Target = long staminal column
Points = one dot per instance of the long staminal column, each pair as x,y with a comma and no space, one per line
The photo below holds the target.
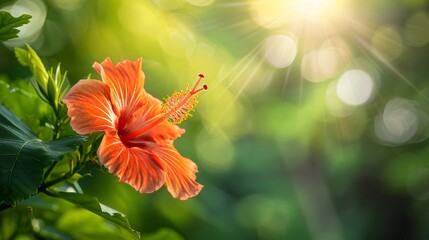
176,109
179,105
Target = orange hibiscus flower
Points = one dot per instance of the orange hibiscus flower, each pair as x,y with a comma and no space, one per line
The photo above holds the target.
138,129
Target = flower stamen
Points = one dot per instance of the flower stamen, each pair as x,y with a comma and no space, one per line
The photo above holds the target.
179,105
176,109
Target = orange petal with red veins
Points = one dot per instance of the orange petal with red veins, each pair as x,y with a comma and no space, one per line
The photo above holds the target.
164,131
126,81
180,173
133,165
89,107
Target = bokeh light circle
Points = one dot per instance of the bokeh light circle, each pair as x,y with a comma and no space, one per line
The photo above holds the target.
280,50
169,4
387,43
417,184
28,32
328,61
177,42
70,5
215,151
201,3
311,70
355,87
398,123
334,105
417,30
323,63
270,15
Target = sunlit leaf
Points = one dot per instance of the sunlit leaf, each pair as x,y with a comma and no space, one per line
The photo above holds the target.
55,218
8,25
28,57
24,157
79,223
92,204
20,91
164,233
32,113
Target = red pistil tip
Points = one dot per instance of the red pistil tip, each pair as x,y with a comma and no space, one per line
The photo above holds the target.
179,105
194,90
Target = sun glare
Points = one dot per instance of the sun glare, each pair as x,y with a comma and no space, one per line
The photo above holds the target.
323,42
280,50
279,13
315,9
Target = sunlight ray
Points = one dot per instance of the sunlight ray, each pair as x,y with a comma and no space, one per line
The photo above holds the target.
387,64
243,65
236,96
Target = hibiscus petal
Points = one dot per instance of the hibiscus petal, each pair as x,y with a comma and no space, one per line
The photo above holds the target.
181,172
133,165
138,125
164,131
126,81
89,107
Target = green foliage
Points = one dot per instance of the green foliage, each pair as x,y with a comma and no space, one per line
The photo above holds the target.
288,159
28,57
31,165
164,233
25,157
33,112
90,226
48,217
8,25
91,204
51,86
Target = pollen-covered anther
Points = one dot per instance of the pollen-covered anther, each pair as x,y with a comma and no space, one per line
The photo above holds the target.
179,105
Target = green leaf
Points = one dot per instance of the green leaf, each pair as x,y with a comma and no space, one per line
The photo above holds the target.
50,86
79,223
92,204
24,157
56,218
28,57
21,92
22,56
8,25
163,233
34,113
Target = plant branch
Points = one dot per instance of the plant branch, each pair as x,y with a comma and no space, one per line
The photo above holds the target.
60,179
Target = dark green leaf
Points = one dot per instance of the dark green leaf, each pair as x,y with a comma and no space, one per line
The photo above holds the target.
44,217
24,157
33,113
92,204
8,25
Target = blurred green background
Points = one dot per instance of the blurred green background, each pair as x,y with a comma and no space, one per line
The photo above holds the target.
315,124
